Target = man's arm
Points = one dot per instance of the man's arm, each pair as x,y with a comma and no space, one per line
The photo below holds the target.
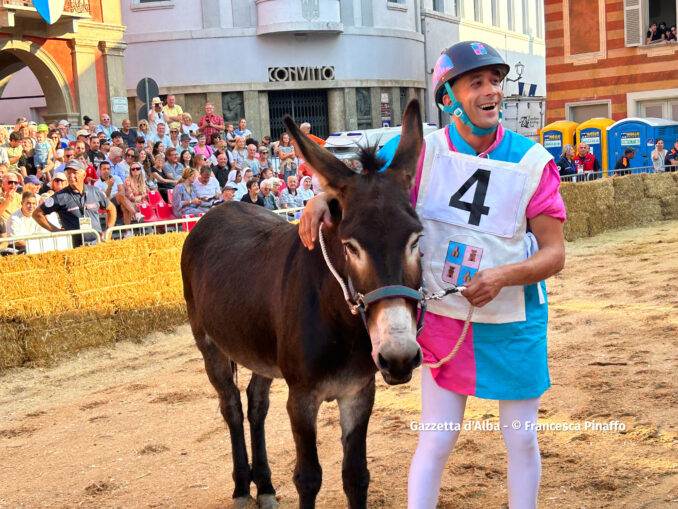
5,203
111,216
546,262
41,219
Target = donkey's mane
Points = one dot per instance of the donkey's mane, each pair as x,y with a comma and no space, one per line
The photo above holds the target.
370,161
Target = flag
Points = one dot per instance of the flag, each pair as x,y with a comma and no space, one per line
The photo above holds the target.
50,10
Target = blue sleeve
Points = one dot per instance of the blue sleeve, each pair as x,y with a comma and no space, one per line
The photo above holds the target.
388,151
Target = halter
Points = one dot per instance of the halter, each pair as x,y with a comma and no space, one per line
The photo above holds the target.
359,303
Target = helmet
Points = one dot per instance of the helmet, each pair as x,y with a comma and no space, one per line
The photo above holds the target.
42,128
462,58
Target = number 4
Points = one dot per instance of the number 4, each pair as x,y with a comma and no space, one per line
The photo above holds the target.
477,208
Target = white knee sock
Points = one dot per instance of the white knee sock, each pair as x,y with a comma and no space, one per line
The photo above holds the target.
524,462
438,405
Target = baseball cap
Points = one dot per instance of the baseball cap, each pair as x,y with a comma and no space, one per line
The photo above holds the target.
42,128
184,137
59,176
64,123
32,179
75,164
32,123
230,185
82,132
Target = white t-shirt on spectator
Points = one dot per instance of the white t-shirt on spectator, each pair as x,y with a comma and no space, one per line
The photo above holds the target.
209,190
102,186
18,224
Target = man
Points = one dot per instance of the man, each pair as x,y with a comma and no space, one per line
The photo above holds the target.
173,168
185,144
63,128
115,160
117,139
658,156
251,160
95,155
110,185
511,176
105,147
160,135
21,222
129,135
242,129
77,206
206,186
172,110
105,127
32,184
68,155
624,162
670,160
266,141
586,163
228,194
80,148
10,200
210,123
14,151
306,129
290,198
156,115
221,169
84,134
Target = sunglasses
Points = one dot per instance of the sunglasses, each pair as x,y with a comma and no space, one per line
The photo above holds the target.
135,168
129,155
13,182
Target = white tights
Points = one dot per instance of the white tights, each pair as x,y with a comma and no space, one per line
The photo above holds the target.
439,405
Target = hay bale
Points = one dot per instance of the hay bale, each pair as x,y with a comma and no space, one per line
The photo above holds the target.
602,220
630,188
661,185
669,205
576,226
638,213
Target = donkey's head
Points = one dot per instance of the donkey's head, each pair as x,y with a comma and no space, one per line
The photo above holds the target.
380,232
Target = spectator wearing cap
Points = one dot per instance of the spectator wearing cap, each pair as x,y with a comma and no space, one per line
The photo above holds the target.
21,221
172,109
106,126
42,150
228,193
210,123
207,186
160,135
156,114
84,134
174,140
185,144
671,159
129,135
94,154
624,162
10,199
77,206
57,183
32,184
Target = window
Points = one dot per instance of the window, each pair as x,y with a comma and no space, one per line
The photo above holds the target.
495,14
439,5
640,14
446,6
526,19
581,112
540,19
477,14
510,21
666,109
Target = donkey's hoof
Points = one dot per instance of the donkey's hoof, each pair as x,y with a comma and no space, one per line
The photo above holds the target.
267,501
241,502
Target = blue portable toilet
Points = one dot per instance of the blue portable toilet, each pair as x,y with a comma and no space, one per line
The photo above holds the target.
640,134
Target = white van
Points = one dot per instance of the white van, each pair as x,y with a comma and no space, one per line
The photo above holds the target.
345,145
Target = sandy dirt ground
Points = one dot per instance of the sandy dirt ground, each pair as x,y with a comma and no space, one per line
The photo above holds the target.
137,425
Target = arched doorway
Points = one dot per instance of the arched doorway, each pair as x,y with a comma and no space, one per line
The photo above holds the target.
16,54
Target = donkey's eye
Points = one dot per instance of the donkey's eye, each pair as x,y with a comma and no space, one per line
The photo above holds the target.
350,248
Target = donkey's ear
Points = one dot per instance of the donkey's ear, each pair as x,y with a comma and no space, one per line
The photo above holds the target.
404,164
332,172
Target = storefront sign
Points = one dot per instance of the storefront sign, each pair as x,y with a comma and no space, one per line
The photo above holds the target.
325,73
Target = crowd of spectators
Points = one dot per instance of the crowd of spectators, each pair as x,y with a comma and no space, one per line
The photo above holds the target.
47,167
659,33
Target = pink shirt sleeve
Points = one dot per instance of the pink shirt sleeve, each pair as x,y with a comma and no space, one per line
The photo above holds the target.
547,199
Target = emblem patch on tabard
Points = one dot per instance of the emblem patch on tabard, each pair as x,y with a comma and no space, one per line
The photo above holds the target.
461,263
478,48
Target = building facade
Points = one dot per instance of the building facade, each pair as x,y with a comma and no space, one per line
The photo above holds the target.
340,64
66,69
599,62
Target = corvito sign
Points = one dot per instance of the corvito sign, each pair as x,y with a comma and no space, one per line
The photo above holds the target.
325,73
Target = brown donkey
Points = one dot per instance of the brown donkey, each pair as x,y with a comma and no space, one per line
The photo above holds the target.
288,318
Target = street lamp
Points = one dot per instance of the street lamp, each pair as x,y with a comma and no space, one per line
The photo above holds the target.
520,68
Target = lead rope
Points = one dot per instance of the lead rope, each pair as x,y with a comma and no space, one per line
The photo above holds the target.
354,307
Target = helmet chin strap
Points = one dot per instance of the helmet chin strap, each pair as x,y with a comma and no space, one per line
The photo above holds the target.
457,110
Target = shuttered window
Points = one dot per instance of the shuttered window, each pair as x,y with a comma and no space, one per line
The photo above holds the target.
633,29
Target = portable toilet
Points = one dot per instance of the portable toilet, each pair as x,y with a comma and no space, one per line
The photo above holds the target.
594,133
640,134
557,134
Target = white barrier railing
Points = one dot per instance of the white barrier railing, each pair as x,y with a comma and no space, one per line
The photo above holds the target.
50,241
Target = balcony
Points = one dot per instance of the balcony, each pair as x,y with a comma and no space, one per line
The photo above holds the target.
305,16
13,11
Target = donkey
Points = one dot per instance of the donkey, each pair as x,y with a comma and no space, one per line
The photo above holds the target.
288,318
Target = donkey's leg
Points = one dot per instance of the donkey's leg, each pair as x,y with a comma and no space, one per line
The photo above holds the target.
257,408
354,412
302,408
220,374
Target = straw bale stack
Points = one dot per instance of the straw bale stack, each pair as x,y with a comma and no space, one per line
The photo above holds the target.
629,188
661,185
576,226
61,302
669,206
